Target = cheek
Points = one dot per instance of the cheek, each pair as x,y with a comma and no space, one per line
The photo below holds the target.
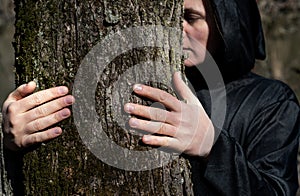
200,36
197,40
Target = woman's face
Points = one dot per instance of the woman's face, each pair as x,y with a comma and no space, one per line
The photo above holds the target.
195,32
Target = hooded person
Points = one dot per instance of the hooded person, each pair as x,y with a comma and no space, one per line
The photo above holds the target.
235,38
256,151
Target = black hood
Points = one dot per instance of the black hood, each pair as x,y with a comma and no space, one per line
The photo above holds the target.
241,32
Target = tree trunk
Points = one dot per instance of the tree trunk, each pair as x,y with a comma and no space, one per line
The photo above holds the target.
5,185
52,40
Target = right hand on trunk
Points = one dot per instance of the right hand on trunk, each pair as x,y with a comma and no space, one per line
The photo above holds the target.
27,116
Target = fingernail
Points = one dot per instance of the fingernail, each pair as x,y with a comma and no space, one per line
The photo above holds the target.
63,90
65,113
137,87
133,122
69,100
24,86
129,107
57,131
31,82
146,138
27,84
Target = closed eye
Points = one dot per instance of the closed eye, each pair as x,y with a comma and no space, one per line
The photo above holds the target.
191,16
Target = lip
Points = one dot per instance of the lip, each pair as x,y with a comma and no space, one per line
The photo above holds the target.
188,49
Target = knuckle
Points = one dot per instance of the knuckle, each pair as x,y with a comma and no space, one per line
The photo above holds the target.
37,98
159,115
163,129
37,138
139,110
47,136
40,111
11,108
62,102
37,125
162,97
14,134
58,116
156,116
13,121
32,140
165,142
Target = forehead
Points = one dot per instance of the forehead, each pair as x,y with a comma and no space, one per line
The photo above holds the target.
194,4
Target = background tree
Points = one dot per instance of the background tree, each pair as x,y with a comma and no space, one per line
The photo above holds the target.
281,22
6,50
52,38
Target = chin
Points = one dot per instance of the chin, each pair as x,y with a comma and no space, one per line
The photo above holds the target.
192,62
188,63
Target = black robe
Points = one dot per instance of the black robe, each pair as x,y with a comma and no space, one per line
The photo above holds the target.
256,152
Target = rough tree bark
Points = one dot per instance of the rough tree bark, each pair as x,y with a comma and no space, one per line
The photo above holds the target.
5,185
52,38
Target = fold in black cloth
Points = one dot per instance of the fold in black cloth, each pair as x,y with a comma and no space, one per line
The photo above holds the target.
256,152
242,35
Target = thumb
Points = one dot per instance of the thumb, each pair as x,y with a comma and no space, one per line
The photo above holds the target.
22,91
183,90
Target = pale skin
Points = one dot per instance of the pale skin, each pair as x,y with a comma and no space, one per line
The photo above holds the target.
27,116
184,127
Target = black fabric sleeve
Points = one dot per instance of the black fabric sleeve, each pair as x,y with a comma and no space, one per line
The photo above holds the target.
266,164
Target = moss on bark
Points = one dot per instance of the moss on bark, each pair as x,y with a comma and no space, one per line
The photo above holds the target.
52,38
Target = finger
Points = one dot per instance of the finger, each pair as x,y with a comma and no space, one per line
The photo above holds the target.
183,90
22,91
49,108
149,112
153,127
43,123
41,136
158,95
162,141
41,97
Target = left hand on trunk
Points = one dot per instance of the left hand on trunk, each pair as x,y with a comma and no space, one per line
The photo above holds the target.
183,127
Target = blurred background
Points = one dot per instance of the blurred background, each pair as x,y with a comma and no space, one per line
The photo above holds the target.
281,20
6,49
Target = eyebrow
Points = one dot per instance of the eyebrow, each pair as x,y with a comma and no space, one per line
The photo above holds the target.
192,10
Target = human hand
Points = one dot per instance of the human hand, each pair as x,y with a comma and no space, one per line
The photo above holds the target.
27,116
184,127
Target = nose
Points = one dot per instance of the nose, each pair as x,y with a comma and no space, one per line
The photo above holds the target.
184,24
